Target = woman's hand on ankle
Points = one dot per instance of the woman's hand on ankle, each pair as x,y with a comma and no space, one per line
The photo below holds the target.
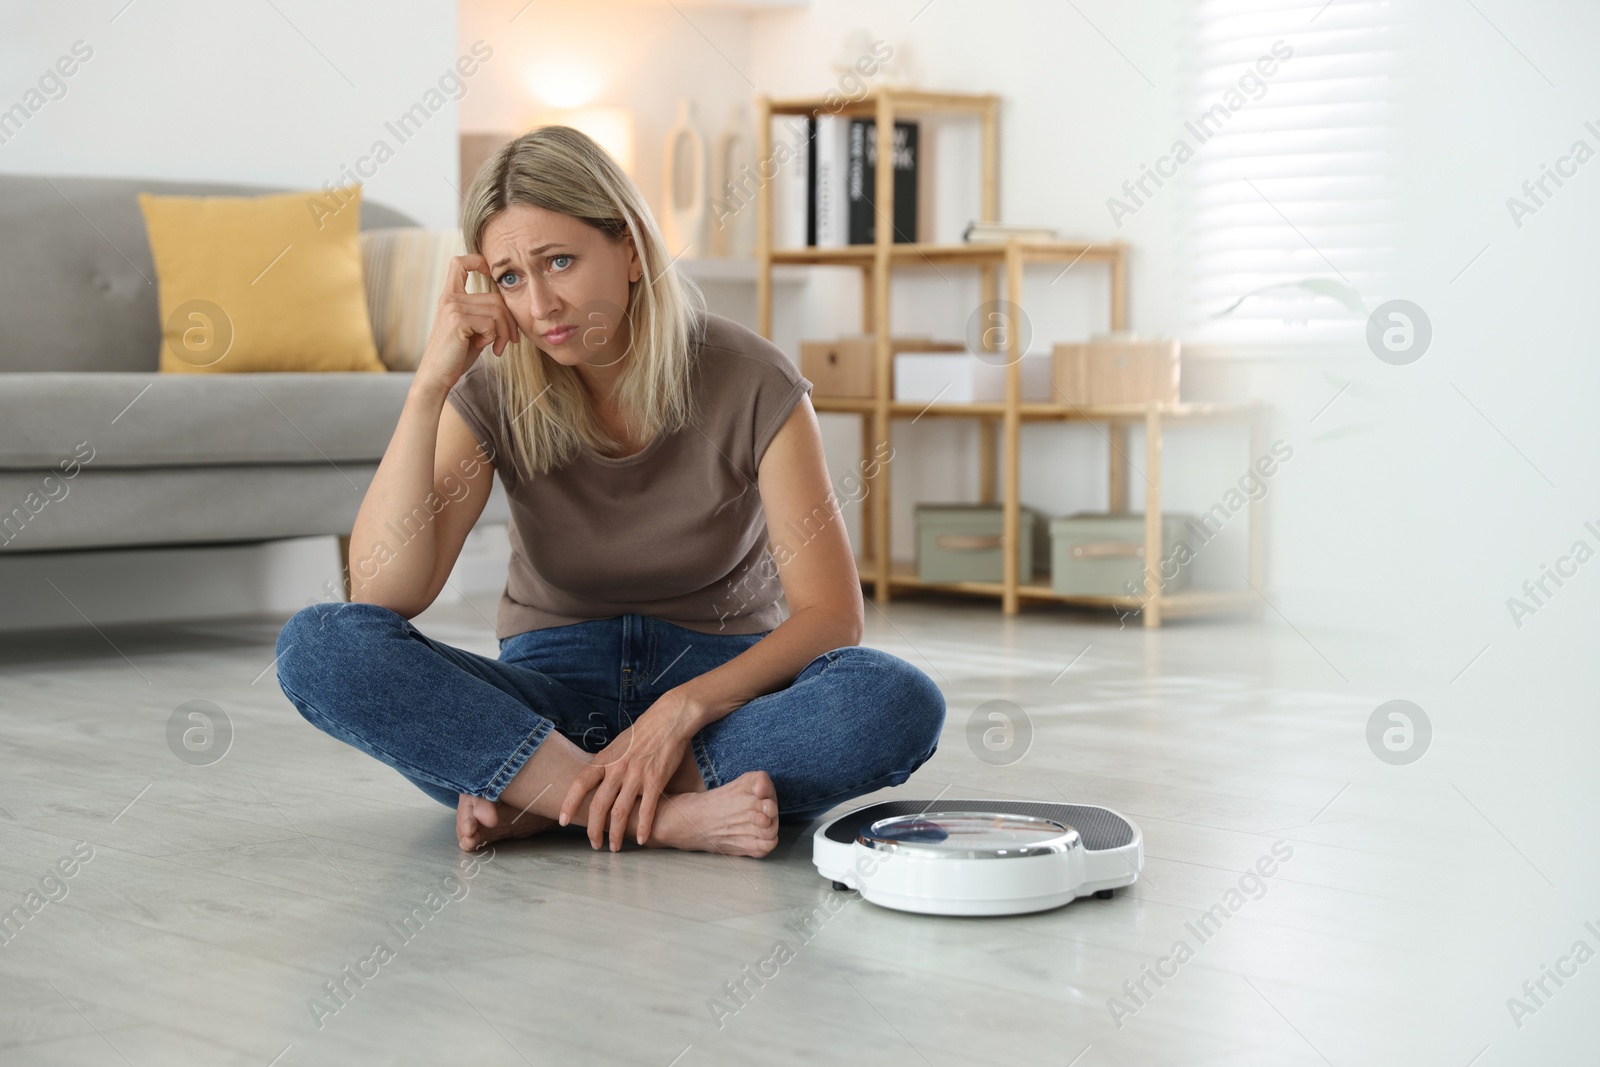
636,765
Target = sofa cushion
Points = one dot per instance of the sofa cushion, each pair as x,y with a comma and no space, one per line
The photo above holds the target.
186,506
404,270
260,283
77,282
187,420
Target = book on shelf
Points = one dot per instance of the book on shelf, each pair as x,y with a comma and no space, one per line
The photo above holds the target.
791,185
838,158
1000,232
827,221
863,184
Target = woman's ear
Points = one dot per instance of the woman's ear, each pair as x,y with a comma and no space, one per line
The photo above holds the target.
635,267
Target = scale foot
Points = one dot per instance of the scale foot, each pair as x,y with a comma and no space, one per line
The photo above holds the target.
1102,894
841,887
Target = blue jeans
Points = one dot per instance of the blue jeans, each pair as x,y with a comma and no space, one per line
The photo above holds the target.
855,720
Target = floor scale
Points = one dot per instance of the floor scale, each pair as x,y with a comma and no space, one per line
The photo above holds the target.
977,857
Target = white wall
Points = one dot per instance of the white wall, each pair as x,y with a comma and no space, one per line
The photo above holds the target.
287,93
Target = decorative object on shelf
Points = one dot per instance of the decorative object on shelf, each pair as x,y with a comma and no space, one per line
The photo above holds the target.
1000,232
683,215
1095,553
860,52
844,367
1117,368
733,232
962,542
965,377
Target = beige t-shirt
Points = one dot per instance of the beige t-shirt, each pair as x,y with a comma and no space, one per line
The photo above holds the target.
675,531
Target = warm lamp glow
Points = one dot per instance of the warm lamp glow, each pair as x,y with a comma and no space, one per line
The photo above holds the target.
563,82
611,127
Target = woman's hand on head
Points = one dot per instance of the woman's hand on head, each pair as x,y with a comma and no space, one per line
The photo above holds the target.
637,765
464,324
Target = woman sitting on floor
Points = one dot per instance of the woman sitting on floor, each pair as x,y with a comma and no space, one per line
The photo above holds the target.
648,682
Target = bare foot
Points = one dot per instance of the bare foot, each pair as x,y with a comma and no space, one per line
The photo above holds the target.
737,819
480,821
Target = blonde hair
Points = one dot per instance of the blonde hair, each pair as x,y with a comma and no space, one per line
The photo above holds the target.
543,403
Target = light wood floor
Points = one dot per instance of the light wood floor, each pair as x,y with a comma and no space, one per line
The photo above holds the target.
220,898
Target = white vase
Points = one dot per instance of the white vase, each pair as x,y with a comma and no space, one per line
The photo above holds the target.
733,177
683,213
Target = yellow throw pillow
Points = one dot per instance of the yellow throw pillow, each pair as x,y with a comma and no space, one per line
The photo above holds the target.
268,283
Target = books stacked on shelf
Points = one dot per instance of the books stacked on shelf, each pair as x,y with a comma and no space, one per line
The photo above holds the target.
1000,232
839,161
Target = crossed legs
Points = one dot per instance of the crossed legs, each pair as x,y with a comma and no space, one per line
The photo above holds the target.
494,739
740,818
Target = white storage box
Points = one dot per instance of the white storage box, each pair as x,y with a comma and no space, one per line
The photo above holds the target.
965,377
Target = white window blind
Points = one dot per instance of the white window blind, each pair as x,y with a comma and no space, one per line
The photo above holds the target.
1290,213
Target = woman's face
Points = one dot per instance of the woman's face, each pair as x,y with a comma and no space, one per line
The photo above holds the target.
565,283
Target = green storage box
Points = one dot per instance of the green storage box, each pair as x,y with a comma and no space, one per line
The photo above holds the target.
961,543
1099,553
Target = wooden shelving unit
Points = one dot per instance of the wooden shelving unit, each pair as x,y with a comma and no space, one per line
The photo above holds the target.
877,260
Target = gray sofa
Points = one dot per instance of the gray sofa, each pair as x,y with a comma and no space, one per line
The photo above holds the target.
98,449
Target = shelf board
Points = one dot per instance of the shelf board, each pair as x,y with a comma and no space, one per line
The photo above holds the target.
905,101
1185,411
975,252
903,575
715,269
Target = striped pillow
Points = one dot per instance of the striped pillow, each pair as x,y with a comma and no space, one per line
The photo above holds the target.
404,272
